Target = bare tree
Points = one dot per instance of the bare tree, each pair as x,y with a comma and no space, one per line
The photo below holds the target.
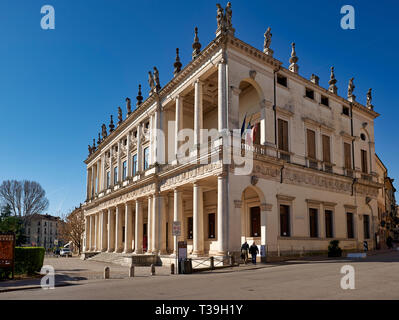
24,197
73,228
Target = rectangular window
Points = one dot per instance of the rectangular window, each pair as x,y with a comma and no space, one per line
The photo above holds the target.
349,225
283,135
211,226
329,223
366,226
146,158
190,227
313,223
324,101
255,222
282,80
326,149
345,110
364,161
123,234
108,178
309,93
134,164
284,221
124,172
311,141
347,155
116,175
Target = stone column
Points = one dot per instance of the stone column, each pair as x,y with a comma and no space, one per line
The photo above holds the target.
155,224
222,96
170,218
88,188
120,170
85,236
198,115
92,232
98,186
138,242
111,231
111,167
263,133
103,174
93,181
151,151
128,228
222,213
139,153
178,121
149,225
129,172
198,220
96,232
233,112
161,217
103,231
87,233
118,229
178,214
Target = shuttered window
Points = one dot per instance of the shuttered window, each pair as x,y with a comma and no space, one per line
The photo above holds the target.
364,161
313,223
326,149
349,225
311,140
329,223
255,222
283,135
284,221
347,156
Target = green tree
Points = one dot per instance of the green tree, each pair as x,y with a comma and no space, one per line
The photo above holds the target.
9,223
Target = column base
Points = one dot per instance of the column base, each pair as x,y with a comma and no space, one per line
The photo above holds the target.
111,250
138,252
118,251
127,251
197,253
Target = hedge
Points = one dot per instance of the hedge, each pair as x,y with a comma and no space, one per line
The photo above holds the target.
28,260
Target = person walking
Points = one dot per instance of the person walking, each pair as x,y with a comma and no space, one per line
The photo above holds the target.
253,250
244,252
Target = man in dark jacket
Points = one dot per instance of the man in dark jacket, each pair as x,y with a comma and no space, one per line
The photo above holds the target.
253,250
244,252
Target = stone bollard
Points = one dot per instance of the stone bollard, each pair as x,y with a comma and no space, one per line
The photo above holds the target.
131,272
152,270
172,268
106,273
212,263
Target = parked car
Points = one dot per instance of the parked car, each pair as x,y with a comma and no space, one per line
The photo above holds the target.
65,252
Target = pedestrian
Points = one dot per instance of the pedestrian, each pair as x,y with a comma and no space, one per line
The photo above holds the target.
365,246
244,252
253,250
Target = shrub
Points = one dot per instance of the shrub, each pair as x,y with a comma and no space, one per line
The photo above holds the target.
333,249
28,260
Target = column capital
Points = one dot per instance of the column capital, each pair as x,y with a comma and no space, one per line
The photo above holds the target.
198,81
235,90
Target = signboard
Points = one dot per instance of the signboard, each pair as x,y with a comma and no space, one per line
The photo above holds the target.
176,231
182,250
7,251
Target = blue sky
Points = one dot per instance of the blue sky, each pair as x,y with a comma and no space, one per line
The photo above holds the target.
58,86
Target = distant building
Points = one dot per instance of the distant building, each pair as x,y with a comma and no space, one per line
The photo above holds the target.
43,231
387,207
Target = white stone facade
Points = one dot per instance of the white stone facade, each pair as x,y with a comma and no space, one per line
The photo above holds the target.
229,80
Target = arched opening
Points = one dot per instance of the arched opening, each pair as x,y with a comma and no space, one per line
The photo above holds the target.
251,224
249,112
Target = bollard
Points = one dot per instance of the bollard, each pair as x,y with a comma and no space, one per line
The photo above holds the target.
106,273
131,272
152,270
212,263
172,268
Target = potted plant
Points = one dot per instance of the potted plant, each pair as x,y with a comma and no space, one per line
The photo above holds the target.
333,249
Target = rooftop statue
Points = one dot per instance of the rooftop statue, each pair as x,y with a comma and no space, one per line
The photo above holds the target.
151,81
369,98
104,131
351,87
268,39
120,117
229,14
156,79
220,16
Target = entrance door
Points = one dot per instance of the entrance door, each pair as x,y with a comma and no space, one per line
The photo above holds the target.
255,221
